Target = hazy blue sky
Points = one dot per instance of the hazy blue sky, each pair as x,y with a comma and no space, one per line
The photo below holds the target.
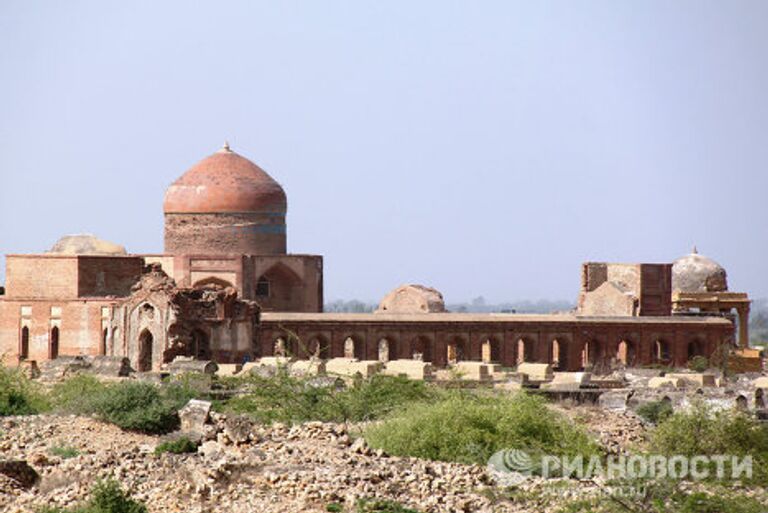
483,148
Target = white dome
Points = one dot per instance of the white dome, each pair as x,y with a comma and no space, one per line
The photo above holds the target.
86,244
412,299
697,273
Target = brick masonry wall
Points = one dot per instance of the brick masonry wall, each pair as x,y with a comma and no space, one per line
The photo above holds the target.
38,276
108,276
246,233
79,323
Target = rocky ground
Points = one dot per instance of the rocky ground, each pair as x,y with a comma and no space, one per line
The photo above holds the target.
244,468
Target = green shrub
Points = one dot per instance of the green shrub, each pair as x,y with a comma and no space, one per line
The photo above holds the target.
191,385
705,431
136,406
469,429
76,395
381,506
673,501
655,411
64,452
702,430
179,446
698,364
19,395
106,497
285,398
705,503
377,396
131,405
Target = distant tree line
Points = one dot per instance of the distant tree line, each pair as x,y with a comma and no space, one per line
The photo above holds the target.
758,322
477,305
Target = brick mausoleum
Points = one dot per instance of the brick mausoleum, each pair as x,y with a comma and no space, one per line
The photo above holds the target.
226,289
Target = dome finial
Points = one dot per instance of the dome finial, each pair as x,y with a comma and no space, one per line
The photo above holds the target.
695,250
225,148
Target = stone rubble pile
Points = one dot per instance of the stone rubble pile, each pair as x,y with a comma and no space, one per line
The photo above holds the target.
239,467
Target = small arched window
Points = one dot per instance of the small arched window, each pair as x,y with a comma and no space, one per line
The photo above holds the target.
24,349
53,350
262,287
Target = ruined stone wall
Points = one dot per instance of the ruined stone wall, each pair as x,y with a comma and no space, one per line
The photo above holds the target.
608,300
225,233
626,274
80,327
296,282
41,276
597,344
107,276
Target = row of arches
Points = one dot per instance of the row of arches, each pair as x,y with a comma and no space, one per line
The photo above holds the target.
198,346
559,351
53,343
275,283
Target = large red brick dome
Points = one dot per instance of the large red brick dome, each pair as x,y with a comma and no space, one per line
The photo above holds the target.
225,182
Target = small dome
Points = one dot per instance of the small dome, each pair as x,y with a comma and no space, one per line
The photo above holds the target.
225,182
697,273
412,299
86,244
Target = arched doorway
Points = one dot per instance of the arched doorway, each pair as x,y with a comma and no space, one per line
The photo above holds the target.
145,351
212,282
384,350
626,353
759,399
318,347
421,349
524,351
201,345
349,347
592,355
486,351
103,343
456,350
742,403
661,352
24,343
53,347
695,349
116,347
558,355
279,348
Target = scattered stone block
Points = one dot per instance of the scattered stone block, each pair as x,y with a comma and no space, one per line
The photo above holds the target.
110,366
29,368
63,366
694,379
473,371
536,371
20,471
229,369
184,364
616,400
412,369
275,361
237,428
311,367
665,382
194,415
352,366
568,380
